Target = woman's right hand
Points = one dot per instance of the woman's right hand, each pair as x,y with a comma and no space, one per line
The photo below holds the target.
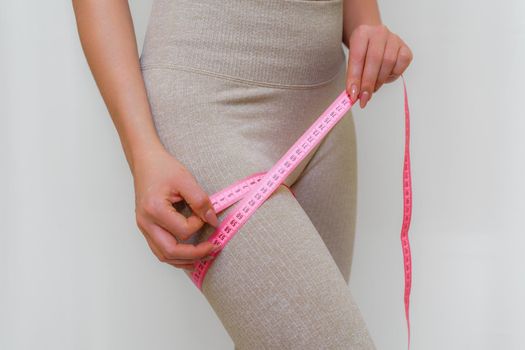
161,180
109,43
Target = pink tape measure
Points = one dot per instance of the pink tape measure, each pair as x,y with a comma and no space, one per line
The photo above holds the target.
253,190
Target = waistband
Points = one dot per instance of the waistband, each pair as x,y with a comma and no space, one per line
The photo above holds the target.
295,43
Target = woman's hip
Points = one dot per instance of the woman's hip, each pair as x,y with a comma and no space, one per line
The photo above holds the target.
280,43
204,120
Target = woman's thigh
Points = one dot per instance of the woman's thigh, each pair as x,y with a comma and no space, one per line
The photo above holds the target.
327,191
275,284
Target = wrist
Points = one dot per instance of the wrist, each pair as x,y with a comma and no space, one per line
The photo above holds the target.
139,150
359,12
347,33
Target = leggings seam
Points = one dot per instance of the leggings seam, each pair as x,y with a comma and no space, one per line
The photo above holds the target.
241,80
289,188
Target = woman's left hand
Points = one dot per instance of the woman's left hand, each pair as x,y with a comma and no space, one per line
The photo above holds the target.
376,56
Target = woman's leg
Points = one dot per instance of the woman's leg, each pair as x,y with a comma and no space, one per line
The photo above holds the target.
327,191
275,284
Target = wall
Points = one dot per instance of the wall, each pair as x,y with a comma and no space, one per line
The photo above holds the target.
76,273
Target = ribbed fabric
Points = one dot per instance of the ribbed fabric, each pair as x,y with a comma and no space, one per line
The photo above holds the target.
232,85
269,41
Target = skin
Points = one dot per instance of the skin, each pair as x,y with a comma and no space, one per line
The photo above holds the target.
376,55
107,36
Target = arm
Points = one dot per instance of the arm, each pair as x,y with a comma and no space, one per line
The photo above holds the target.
357,12
108,39
376,55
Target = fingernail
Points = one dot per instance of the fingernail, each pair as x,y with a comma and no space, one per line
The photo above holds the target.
353,93
216,248
365,95
211,218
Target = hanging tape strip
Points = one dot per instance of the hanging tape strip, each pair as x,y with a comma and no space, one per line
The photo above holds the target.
253,190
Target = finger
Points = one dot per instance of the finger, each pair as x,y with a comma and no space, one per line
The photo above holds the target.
156,251
189,271
198,200
171,249
391,78
374,57
404,57
357,50
162,212
389,60
188,267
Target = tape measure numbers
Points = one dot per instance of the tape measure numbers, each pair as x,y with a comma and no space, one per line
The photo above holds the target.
252,191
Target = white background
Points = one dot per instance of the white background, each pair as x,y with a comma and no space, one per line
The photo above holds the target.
76,273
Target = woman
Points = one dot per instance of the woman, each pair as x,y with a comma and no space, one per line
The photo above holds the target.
221,90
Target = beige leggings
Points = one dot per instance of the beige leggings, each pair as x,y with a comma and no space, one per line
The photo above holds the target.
282,281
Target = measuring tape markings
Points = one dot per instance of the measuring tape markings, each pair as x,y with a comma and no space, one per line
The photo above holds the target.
270,181
251,191
407,212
